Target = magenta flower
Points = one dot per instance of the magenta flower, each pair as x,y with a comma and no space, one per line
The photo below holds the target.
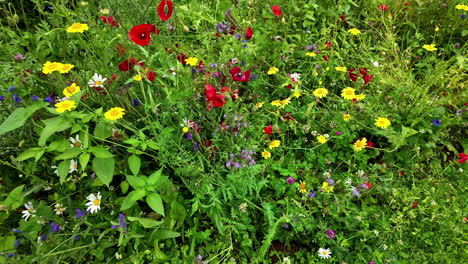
330,233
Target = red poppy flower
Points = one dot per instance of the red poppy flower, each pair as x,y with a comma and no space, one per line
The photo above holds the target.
367,78
463,158
363,71
150,75
213,98
370,144
248,33
329,44
352,76
383,7
369,185
325,58
276,10
141,34
182,57
127,64
161,9
110,20
268,130
238,76
415,204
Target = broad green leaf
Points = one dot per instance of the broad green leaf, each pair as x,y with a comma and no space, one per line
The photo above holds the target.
164,234
53,125
104,169
134,163
131,198
30,153
7,244
63,169
84,159
135,181
69,154
155,178
14,198
101,152
145,222
155,202
103,130
19,116
153,145
408,131
178,211
59,145
124,187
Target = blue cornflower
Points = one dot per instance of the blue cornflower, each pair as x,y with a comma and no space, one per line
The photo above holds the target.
436,122
12,87
2,97
17,98
54,227
312,194
136,102
35,98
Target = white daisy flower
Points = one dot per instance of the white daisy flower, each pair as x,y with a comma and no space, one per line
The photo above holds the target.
94,203
73,166
75,142
97,81
59,209
324,253
295,76
376,64
29,211
56,169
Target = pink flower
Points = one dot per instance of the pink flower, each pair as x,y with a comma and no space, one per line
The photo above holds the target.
238,76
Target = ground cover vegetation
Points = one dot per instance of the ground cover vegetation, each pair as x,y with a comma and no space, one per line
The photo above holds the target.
244,131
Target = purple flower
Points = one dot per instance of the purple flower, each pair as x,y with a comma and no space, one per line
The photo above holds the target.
10,254
136,102
216,74
238,36
457,46
2,97
79,213
188,136
312,194
338,133
330,233
195,146
35,98
463,16
17,242
436,122
114,226
330,181
290,180
43,237
12,87
54,227
49,99
122,222
253,77
17,98
76,237
19,57
355,192
371,262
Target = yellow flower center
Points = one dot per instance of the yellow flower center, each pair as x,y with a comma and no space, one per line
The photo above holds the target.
324,253
77,144
98,83
114,112
76,26
96,202
359,144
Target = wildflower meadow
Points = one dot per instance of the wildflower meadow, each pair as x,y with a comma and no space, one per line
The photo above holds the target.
233,131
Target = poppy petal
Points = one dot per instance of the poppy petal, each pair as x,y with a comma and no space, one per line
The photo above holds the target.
276,10
165,16
248,33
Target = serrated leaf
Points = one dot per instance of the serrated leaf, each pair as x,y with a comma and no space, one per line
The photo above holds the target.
131,198
104,169
134,163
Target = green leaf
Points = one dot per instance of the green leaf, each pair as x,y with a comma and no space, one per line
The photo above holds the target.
153,145
134,163
63,169
164,234
69,154
84,159
145,222
178,211
19,116
124,187
407,131
59,145
30,153
14,198
53,125
101,152
155,202
135,181
103,130
131,198
155,178
104,169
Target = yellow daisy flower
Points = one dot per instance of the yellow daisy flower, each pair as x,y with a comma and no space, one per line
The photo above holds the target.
359,96
276,103
77,28
302,186
321,139
297,94
320,92
66,68
266,154
360,144
285,102
430,47
342,69
66,105
137,78
272,70
50,67
347,117
274,144
311,54
348,93
354,31
192,61
327,188
259,104
71,90
382,122
114,113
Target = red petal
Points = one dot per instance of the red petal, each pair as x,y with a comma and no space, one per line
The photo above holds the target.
210,91
182,57
141,34
161,7
268,130
276,10
218,100
363,71
248,33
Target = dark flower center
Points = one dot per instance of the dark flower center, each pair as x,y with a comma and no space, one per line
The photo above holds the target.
143,36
